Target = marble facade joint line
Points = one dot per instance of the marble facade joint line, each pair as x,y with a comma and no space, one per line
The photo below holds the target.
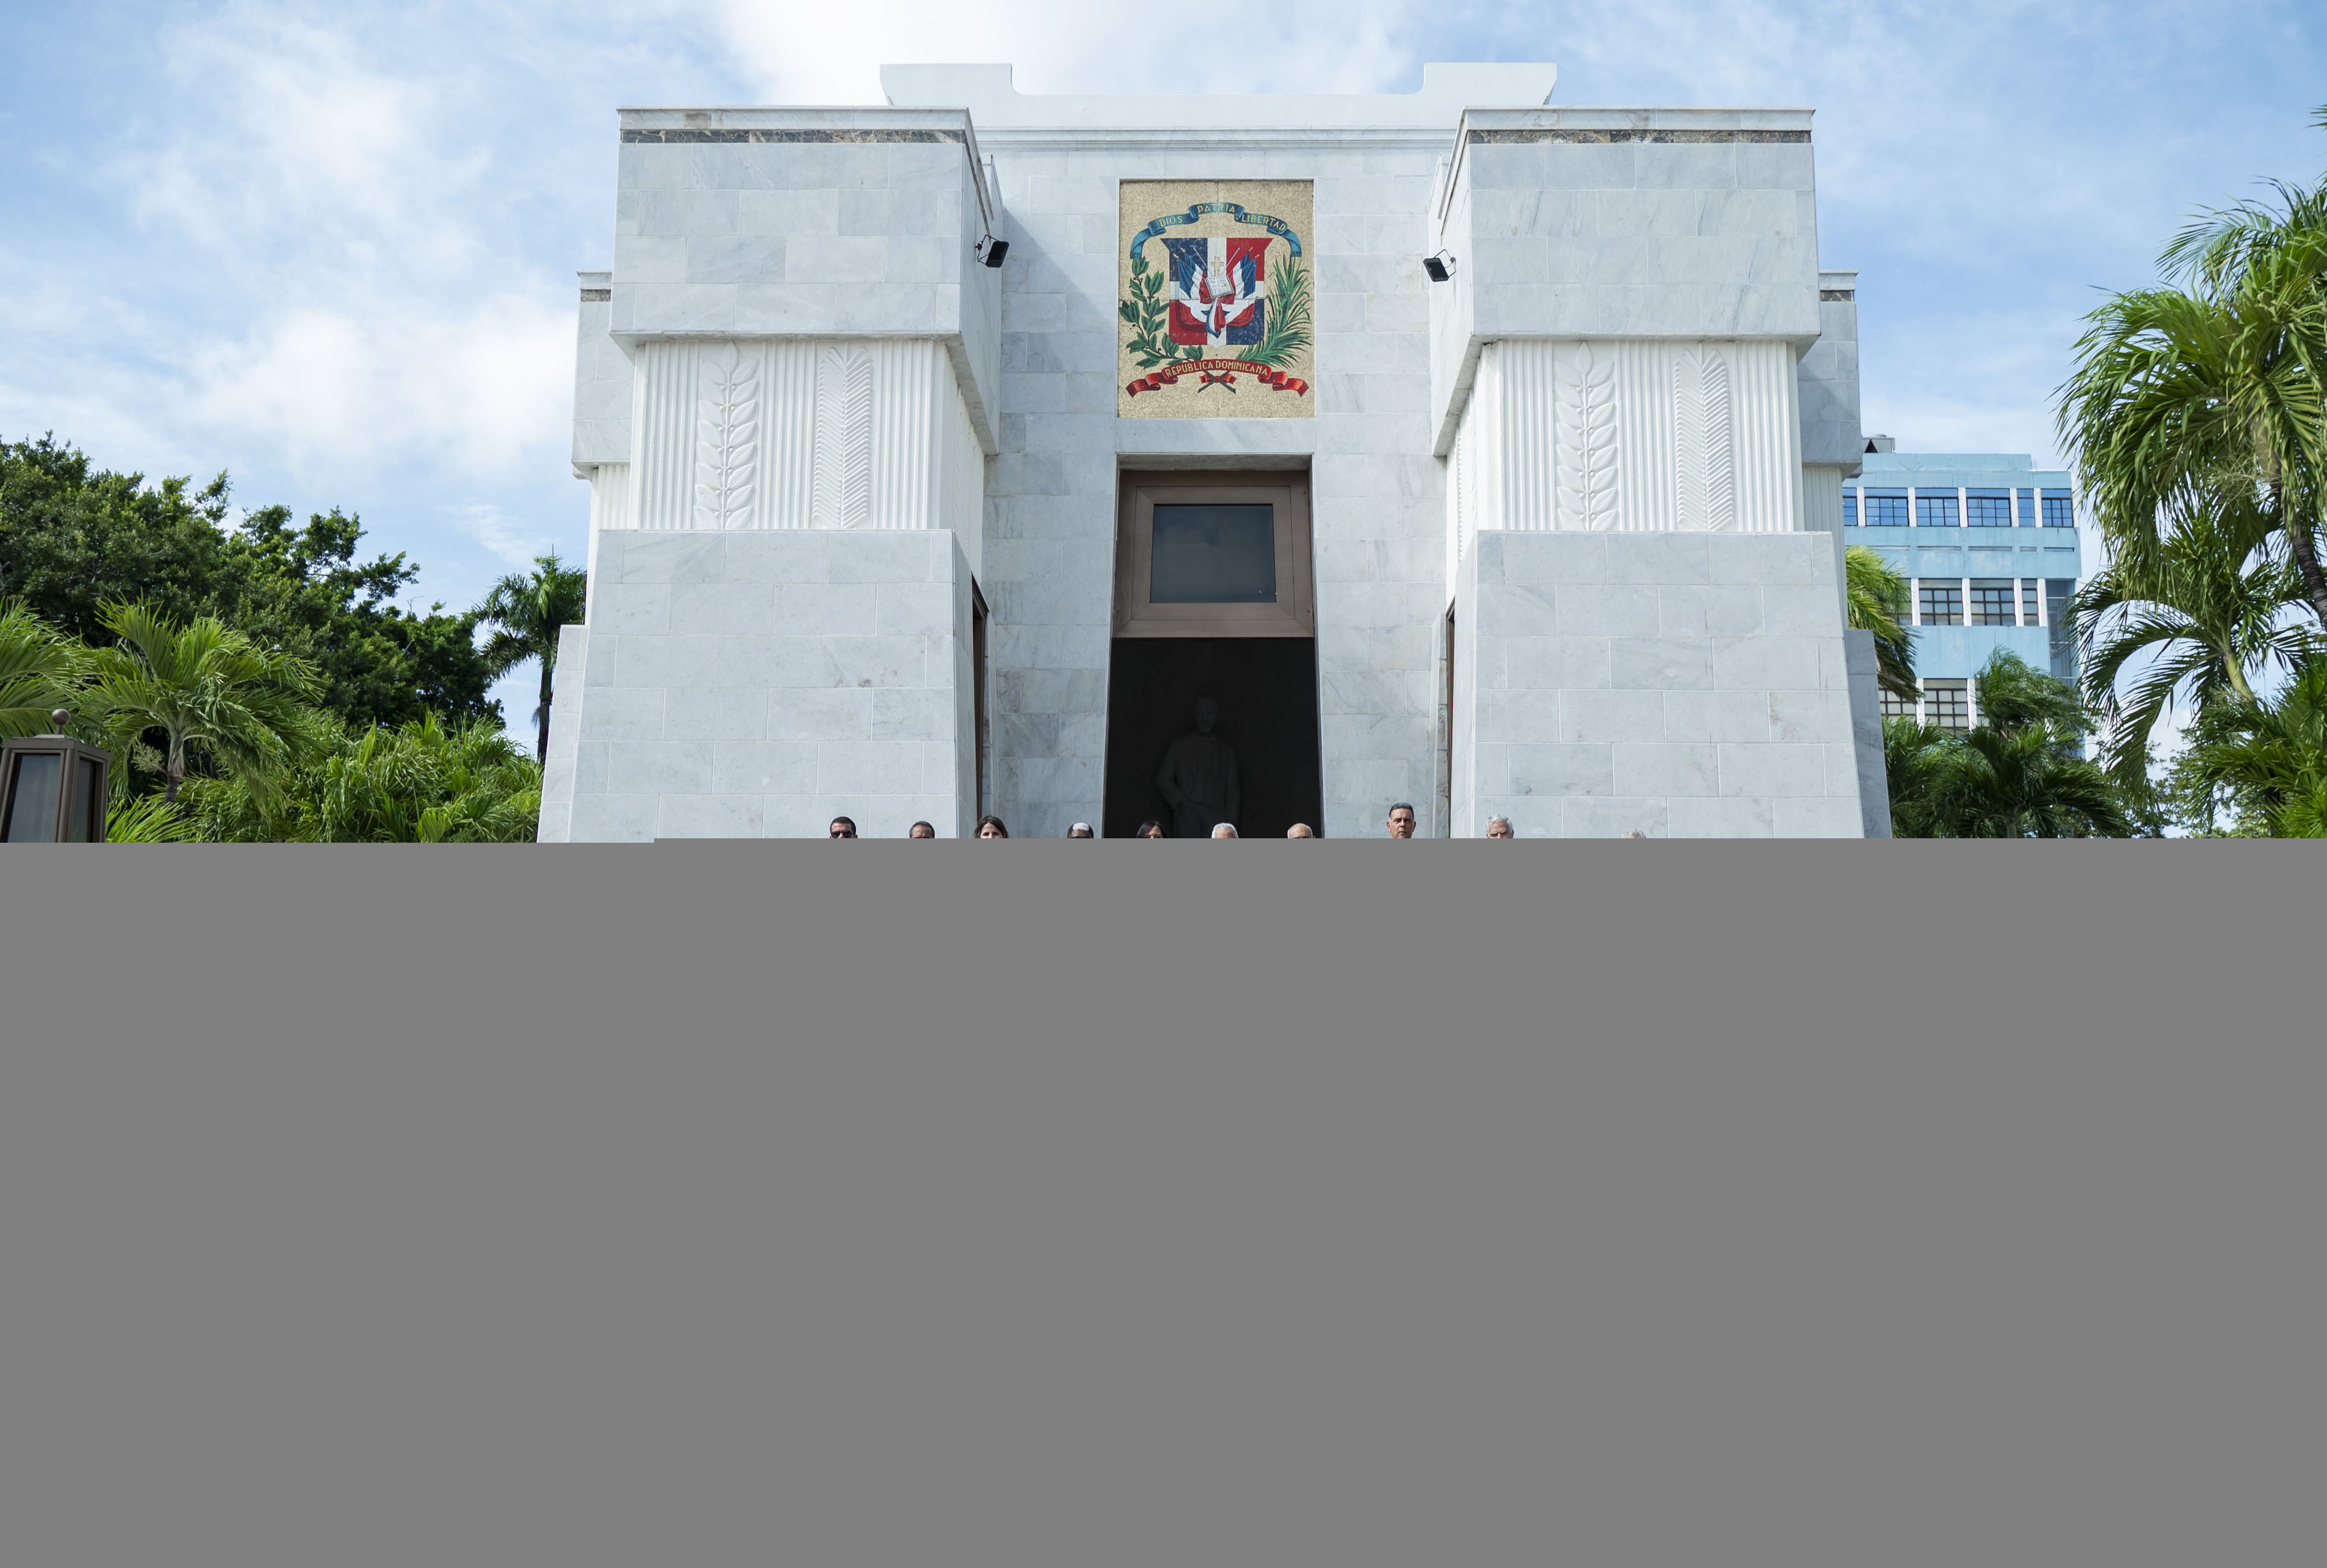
768,136
1563,134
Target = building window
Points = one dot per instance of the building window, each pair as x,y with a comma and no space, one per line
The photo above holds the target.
2057,590
1850,508
1987,508
1886,509
2059,513
2032,600
1946,704
1895,706
2024,509
1942,603
1993,601
1935,511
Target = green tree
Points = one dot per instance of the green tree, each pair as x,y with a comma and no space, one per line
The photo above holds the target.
74,538
423,782
2020,774
302,590
38,672
206,693
1877,597
2216,385
2198,612
2267,757
527,612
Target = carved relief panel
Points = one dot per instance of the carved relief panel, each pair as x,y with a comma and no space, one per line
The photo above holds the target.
1629,435
801,433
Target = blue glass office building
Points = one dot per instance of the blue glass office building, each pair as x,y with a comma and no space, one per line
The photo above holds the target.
1988,543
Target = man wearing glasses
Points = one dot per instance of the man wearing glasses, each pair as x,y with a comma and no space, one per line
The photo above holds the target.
842,827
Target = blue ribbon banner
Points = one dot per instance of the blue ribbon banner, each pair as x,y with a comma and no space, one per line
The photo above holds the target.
1277,226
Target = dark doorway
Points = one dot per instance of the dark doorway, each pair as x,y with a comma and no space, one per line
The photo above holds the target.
1267,688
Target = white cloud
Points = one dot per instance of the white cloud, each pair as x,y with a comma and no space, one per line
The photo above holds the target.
832,53
507,540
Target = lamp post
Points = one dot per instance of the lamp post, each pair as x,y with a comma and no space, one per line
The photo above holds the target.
52,788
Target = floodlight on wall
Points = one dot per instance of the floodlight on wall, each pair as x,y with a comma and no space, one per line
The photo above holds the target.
52,788
1440,266
991,250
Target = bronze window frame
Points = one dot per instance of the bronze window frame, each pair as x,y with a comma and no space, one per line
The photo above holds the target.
1295,613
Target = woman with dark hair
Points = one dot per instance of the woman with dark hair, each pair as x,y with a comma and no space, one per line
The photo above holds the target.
1151,828
991,827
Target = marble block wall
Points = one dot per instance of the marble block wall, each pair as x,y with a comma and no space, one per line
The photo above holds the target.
1684,686
748,685
1376,491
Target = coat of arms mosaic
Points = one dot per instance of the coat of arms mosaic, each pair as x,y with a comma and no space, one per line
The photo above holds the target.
1213,292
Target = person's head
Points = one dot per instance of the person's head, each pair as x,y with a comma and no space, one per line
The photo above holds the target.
991,827
1401,820
1300,830
1208,713
1636,833
1224,830
1151,828
1499,827
1082,830
842,827
920,830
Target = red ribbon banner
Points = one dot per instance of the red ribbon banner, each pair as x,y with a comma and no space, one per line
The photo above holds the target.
1219,372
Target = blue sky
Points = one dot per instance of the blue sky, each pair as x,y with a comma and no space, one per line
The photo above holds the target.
330,248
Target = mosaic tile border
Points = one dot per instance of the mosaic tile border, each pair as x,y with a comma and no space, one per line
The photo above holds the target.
591,296
1838,296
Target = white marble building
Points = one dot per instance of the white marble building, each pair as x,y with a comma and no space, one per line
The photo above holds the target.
879,529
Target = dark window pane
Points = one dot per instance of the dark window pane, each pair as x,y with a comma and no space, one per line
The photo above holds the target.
1942,603
2023,507
1945,705
1886,509
1895,706
1936,511
2057,590
88,810
1989,509
32,810
1850,508
2059,513
1214,555
1992,602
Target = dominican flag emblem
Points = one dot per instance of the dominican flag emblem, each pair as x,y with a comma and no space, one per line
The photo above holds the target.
1216,292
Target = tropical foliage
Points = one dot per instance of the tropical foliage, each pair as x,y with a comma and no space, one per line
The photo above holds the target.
74,538
420,783
527,612
38,670
1286,334
2266,761
201,691
1876,591
2213,387
2192,617
2021,773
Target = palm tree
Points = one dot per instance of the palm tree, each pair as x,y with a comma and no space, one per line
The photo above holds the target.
211,692
2216,385
529,610
2205,603
1876,591
2020,774
38,669
2269,757
423,783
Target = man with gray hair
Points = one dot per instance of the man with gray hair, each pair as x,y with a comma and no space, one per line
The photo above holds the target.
1224,830
1499,827
1082,830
